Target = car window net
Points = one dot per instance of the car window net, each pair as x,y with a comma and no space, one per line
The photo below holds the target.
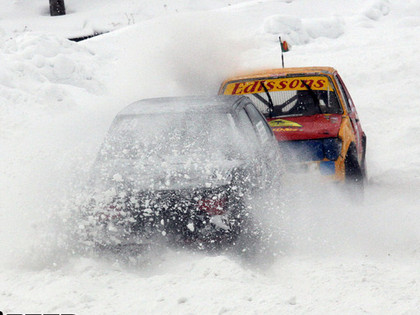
289,96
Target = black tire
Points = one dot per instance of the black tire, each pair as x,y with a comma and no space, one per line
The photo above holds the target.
364,168
354,175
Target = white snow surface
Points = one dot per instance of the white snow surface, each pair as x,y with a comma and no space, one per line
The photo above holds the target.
57,99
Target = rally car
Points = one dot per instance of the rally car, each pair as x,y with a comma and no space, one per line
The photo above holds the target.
182,170
313,118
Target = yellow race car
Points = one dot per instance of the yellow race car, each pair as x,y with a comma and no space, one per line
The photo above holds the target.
312,116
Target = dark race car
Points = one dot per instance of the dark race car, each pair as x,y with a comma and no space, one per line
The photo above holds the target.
182,170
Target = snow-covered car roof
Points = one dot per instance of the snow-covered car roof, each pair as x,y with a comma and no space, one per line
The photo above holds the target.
180,104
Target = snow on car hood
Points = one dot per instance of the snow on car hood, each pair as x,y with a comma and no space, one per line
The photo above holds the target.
306,127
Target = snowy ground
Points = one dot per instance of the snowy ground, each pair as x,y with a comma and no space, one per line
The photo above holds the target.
57,99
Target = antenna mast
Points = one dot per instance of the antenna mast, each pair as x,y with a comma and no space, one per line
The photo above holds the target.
284,48
282,56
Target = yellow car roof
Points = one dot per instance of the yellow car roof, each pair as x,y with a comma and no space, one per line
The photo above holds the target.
281,72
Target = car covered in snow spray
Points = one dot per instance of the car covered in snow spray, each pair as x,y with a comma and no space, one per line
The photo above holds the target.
181,170
313,118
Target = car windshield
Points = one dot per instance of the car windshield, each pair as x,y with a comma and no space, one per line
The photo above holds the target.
295,96
152,138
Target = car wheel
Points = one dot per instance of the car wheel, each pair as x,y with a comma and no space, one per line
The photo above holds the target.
364,169
354,175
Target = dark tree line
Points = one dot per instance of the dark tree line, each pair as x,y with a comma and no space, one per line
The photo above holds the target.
57,7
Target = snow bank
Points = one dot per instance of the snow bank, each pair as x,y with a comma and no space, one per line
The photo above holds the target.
300,31
46,87
46,65
87,17
377,9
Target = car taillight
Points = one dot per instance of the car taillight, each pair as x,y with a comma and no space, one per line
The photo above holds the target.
313,149
110,212
212,206
332,148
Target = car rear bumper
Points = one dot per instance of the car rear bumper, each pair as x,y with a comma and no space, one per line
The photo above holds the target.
328,170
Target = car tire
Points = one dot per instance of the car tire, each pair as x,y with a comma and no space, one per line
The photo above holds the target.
354,175
364,168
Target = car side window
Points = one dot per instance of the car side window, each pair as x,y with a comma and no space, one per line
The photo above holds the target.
261,126
246,125
347,93
343,93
